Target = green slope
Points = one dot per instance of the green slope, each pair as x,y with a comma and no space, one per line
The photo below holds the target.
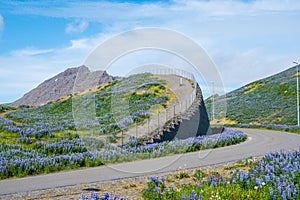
137,94
271,100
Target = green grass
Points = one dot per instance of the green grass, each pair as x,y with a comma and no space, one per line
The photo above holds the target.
290,129
5,108
271,100
206,190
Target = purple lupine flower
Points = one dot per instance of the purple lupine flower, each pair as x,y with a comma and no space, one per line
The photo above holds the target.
182,197
271,192
155,189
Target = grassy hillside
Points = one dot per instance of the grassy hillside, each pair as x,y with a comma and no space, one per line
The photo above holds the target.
5,108
271,100
143,92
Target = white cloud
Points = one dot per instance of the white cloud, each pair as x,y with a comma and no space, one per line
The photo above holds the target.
227,8
242,67
78,26
102,10
24,69
277,5
80,44
105,10
30,51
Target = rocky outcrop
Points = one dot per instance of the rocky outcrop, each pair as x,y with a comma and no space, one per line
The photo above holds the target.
71,81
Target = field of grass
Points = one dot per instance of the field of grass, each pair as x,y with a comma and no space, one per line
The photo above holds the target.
266,102
276,127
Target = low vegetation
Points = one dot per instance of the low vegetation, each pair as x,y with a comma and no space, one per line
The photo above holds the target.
71,153
5,108
269,102
275,176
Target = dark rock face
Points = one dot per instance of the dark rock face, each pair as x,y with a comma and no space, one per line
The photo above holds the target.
71,81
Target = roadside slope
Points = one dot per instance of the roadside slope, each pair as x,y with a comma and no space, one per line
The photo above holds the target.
271,100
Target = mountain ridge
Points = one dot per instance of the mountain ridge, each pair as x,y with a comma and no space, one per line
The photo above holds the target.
72,80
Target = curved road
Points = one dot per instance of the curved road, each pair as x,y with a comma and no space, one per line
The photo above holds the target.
258,143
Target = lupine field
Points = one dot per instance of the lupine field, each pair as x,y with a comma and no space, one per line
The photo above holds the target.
17,160
275,176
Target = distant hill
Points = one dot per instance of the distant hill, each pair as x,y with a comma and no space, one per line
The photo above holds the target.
271,100
62,85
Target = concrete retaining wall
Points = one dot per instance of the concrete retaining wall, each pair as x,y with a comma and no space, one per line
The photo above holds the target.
194,122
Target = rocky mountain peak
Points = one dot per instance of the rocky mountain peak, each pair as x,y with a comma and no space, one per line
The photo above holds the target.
70,81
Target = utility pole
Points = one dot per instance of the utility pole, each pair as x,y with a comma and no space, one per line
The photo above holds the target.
298,116
213,100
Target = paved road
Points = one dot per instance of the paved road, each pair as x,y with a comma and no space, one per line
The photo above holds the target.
259,142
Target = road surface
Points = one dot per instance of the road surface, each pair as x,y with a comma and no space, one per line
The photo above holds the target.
258,143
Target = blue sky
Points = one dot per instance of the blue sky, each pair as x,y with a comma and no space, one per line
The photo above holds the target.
247,40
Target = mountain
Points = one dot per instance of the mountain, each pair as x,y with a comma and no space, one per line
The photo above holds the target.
271,100
68,82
